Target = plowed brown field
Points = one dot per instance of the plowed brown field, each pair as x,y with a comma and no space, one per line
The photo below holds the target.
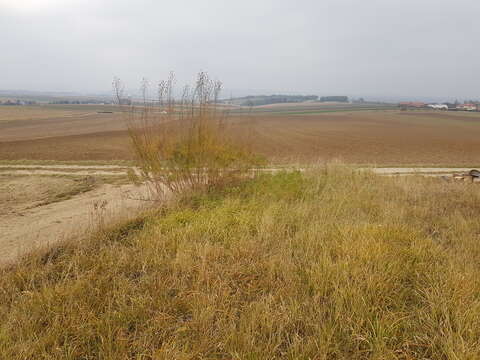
362,137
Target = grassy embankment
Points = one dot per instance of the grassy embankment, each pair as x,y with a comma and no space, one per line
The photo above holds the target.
327,265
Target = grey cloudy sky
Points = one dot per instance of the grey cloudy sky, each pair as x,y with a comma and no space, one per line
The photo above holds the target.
355,47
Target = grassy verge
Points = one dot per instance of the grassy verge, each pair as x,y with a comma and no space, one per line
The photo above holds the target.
329,265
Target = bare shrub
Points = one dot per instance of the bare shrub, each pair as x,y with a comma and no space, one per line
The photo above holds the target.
118,89
185,144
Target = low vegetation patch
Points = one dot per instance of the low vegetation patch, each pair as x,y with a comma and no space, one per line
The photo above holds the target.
328,265
184,145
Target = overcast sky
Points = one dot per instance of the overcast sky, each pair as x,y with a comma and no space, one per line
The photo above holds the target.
406,48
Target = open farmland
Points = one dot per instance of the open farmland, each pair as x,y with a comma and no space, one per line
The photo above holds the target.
33,122
310,108
383,137
371,137
335,262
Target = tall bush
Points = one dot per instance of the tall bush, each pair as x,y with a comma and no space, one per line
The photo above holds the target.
183,143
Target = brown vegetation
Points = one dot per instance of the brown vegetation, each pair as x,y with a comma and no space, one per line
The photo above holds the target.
330,265
185,145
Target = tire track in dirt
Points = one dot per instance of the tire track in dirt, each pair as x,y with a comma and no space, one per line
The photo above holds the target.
69,219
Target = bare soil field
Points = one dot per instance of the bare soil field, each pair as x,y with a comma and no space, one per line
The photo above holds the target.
110,145
34,112
371,137
383,137
17,123
316,105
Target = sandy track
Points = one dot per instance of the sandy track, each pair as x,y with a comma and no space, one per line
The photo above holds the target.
115,170
418,171
49,224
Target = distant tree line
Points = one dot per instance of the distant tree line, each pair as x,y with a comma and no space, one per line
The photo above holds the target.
275,99
334,99
79,102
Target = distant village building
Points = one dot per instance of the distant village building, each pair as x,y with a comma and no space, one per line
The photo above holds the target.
16,102
447,106
467,107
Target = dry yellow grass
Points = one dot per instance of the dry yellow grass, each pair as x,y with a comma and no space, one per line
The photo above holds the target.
328,265
187,146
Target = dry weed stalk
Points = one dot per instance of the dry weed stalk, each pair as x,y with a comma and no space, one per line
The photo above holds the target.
184,144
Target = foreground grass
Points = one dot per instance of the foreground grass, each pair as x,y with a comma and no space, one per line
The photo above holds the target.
331,265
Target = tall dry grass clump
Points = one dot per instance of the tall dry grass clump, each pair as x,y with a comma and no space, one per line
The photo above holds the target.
185,143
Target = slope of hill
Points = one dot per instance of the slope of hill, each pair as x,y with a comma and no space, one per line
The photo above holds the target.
329,265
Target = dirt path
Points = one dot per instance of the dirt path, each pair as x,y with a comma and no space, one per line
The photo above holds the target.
85,170
48,224
418,171
100,171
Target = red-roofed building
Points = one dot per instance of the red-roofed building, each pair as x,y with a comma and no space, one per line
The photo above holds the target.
467,107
